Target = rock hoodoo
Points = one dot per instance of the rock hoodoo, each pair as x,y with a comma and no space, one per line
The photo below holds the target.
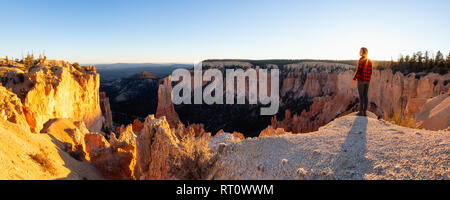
165,105
108,125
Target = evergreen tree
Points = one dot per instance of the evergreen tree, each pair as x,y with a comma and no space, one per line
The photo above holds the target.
426,64
420,57
439,58
401,59
447,61
29,61
407,59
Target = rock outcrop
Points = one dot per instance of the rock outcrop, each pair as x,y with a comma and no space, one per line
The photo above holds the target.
105,107
11,108
269,131
146,150
165,105
27,156
157,146
333,95
328,86
137,125
116,158
56,89
69,136
434,114
221,140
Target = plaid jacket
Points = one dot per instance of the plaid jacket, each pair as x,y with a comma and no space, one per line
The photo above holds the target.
364,71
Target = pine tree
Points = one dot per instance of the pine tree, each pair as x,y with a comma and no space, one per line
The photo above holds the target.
28,62
426,64
447,61
6,61
419,55
439,61
439,58
407,58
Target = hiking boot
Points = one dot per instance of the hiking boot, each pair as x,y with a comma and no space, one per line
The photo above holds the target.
360,113
364,113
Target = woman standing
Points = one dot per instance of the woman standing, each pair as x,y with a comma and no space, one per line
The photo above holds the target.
363,75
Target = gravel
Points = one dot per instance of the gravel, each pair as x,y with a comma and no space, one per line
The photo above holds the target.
349,148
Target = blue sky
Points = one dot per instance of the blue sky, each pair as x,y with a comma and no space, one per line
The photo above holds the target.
109,31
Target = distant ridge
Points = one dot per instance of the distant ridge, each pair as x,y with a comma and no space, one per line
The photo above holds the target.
142,75
122,70
281,62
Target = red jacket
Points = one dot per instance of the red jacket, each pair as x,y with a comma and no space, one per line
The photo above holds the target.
364,71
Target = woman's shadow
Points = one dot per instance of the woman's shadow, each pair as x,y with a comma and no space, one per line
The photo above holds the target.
351,162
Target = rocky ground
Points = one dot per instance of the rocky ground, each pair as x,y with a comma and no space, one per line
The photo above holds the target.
350,147
28,156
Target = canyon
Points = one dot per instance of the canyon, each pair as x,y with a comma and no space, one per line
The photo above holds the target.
56,124
311,95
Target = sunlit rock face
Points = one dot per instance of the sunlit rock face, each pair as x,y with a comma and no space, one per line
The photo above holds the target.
11,108
56,89
332,95
68,136
393,92
115,159
434,114
143,151
269,131
157,146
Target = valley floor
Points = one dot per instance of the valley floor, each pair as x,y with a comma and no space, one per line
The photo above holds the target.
350,147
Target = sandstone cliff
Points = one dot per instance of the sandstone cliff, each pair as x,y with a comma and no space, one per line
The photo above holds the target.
333,95
11,108
314,93
434,114
56,89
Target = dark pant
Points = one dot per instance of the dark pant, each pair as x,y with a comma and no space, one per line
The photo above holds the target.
363,89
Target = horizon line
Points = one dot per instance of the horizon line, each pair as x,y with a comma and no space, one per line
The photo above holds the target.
225,59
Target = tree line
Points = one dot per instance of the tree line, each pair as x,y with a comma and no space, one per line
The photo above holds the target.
419,62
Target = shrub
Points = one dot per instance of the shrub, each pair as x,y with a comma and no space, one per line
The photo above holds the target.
196,161
401,120
28,62
42,159
77,67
